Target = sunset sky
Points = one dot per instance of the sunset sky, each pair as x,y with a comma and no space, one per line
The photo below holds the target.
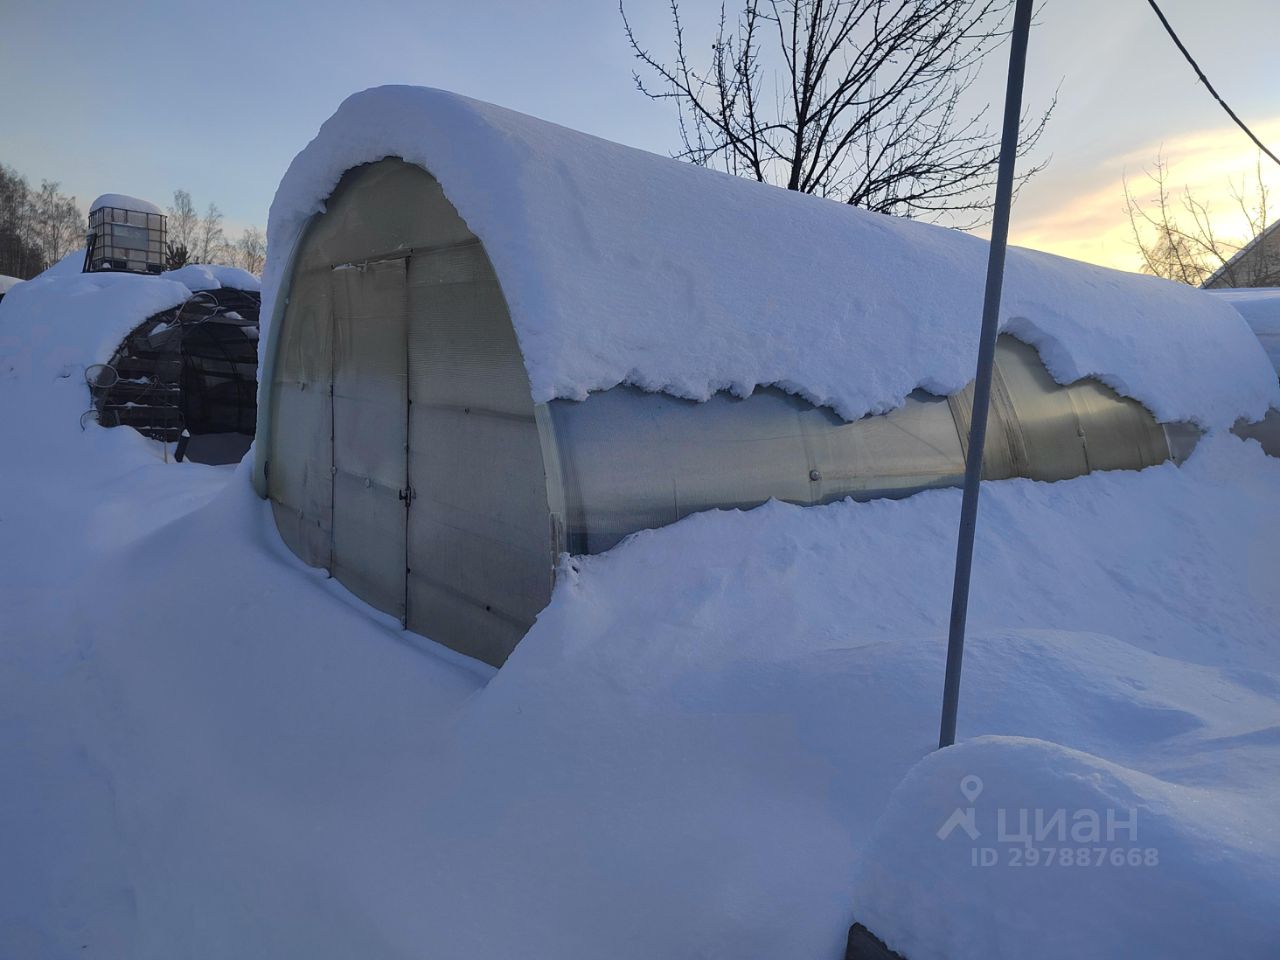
1090,223
216,99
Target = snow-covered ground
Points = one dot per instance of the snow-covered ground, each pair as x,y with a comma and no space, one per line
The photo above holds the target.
716,741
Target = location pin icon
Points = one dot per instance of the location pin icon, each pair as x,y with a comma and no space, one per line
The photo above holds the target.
971,786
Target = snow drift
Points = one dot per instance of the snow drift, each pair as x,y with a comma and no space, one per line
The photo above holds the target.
622,266
696,752
1260,308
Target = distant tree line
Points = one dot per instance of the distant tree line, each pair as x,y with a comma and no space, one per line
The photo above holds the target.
38,227
197,238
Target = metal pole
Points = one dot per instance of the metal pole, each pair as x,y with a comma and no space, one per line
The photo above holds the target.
986,360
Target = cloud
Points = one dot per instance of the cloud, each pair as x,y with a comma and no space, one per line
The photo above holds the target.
1091,223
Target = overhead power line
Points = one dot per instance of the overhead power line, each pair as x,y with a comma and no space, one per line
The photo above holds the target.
1207,85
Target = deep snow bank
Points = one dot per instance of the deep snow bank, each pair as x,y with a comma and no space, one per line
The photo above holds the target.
220,753
735,698
619,265
1073,856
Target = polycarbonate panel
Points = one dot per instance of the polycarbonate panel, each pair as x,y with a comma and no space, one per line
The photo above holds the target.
299,475
370,398
632,460
1043,414
469,356
300,458
1004,453
1266,431
379,211
1119,433
480,546
911,448
629,460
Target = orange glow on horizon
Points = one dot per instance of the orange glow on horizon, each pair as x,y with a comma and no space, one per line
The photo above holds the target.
1094,226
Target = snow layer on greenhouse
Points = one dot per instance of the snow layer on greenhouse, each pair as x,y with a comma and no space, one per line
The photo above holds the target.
622,266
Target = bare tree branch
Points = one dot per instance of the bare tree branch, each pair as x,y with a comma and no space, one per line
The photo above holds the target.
866,106
1186,245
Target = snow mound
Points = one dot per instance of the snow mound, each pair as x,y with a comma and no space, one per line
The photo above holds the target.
71,265
1260,308
63,321
8,283
211,276
622,266
1133,866
123,201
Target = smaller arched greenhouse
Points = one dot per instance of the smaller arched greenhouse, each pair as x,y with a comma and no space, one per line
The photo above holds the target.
493,340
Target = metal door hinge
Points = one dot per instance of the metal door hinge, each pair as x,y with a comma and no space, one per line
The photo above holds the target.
407,495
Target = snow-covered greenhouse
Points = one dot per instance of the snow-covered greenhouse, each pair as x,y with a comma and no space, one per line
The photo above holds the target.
494,340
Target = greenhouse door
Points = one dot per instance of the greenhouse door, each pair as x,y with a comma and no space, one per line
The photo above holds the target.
370,417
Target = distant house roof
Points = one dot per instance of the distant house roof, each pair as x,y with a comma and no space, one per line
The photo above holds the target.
1237,272
125,202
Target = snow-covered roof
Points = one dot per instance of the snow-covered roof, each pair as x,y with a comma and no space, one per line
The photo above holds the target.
125,202
622,266
1260,307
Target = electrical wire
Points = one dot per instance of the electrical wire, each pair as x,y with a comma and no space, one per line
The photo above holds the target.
1205,80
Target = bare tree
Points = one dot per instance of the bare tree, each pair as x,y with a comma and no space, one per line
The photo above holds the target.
209,240
59,223
251,250
183,222
20,255
37,227
1178,240
862,101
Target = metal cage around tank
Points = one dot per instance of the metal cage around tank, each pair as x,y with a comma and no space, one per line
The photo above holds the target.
124,239
401,449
